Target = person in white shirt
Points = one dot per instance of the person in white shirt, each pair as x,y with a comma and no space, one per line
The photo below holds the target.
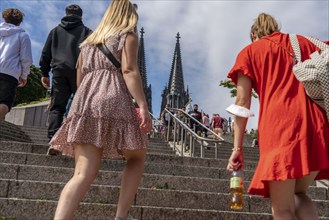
15,58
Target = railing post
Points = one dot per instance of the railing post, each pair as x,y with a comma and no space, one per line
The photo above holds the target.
168,129
216,150
174,140
191,145
182,140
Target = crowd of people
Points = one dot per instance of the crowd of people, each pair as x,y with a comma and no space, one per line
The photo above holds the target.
103,122
199,122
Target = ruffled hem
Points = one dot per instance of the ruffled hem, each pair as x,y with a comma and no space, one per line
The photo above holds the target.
261,187
112,135
259,183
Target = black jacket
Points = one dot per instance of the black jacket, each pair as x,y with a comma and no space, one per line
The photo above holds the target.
61,50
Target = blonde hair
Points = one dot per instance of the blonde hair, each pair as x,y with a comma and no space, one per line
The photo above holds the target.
120,17
264,25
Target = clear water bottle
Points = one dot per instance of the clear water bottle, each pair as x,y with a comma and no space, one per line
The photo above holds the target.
236,190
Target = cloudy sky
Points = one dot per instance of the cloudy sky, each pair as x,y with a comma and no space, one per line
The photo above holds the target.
212,33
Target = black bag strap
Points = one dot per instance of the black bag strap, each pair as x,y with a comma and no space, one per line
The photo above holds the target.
109,55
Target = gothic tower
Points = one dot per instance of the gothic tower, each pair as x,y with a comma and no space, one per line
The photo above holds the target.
175,93
142,69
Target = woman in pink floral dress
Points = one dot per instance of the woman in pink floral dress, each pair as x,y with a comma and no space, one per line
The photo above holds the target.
102,122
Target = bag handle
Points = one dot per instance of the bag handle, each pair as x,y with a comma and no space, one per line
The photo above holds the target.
296,48
109,55
317,42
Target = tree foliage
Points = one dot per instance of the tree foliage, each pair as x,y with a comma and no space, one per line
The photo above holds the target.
230,85
33,90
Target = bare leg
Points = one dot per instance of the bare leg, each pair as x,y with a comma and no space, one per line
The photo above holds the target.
282,199
3,111
130,180
87,163
305,208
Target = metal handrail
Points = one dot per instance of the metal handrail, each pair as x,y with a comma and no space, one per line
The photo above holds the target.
199,123
187,131
157,120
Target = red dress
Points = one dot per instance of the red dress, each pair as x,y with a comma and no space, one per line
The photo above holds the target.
293,130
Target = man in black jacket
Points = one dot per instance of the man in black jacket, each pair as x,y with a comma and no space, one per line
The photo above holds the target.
197,116
60,54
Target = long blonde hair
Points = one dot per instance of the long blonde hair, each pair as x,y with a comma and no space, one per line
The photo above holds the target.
120,17
264,25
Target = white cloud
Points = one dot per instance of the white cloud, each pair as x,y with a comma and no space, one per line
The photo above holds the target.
212,34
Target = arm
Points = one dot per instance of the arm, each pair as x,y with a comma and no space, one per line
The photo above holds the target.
25,55
133,80
79,72
244,88
46,57
45,61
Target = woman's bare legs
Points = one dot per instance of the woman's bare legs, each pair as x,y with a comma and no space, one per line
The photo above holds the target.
282,199
304,206
131,178
87,163
289,200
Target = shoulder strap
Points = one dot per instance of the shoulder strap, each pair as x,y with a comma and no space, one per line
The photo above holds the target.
295,46
109,55
317,42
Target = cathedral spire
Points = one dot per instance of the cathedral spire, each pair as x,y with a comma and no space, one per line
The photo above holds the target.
175,93
141,59
176,79
142,69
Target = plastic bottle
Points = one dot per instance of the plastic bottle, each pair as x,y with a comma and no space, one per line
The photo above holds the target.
236,190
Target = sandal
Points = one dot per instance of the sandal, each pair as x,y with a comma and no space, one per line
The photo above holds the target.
53,152
128,218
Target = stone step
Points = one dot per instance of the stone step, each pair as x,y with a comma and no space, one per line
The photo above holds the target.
43,148
144,197
153,181
98,211
151,156
224,153
117,165
39,135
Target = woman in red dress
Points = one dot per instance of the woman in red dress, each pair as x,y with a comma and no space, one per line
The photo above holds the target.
293,130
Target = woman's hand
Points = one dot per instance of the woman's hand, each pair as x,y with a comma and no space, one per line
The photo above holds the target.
146,120
236,161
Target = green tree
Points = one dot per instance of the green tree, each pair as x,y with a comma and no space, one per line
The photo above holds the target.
230,85
33,90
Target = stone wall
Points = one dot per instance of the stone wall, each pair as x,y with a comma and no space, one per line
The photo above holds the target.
30,115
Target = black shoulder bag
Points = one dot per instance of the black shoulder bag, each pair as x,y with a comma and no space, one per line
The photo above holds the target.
109,55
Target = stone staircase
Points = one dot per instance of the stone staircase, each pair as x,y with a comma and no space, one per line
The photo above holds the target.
172,188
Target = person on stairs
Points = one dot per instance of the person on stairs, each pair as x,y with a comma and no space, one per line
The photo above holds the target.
15,57
102,121
60,54
292,129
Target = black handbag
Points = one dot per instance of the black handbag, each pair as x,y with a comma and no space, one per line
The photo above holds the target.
109,55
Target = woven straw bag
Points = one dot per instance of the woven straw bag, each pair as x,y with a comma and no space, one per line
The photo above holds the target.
314,72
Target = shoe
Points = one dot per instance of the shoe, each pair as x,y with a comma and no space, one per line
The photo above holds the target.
53,152
128,218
